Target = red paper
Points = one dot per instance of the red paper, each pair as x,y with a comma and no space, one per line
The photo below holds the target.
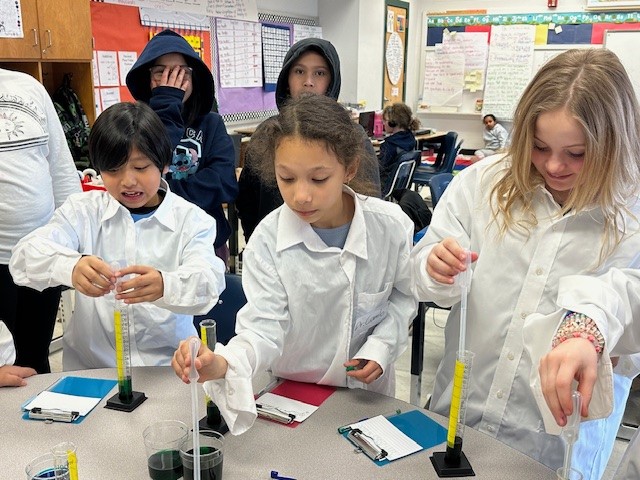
310,393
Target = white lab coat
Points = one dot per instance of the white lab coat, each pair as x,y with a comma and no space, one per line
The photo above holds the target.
521,286
629,467
312,307
7,348
177,240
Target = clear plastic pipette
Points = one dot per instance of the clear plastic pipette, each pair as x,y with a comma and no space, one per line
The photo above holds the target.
571,429
194,346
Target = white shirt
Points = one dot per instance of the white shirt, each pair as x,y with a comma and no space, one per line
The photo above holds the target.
496,138
312,307
177,240
7,349
519,292
629,467
37,170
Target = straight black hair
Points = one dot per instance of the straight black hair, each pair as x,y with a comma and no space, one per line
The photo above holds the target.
125,126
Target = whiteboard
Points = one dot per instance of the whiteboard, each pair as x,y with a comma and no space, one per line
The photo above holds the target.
624,43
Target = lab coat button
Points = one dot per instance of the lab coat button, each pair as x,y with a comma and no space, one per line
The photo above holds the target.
231,391
499,394
538,271
511,356
523,315
490,428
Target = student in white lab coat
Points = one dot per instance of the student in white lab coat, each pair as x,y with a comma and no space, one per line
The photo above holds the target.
10,374
560,207
163,243
326,275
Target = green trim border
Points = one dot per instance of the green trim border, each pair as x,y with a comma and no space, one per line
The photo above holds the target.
569,18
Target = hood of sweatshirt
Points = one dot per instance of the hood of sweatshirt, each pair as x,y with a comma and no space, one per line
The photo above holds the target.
324,48
168,41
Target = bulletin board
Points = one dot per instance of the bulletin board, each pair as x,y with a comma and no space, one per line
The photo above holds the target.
120,35
116,49
550,35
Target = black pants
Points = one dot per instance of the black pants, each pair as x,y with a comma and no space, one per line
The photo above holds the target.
30,316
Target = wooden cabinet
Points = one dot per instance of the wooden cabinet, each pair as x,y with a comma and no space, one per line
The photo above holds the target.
57,40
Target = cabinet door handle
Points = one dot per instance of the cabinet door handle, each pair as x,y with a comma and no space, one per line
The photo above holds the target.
50,43
35,36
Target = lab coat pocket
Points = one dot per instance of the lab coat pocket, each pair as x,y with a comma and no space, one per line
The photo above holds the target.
371,309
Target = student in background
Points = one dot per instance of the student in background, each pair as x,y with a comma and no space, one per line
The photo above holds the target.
163,243
495,138
37,174
310,66
347,252
170,76
399,124
561,208
10,374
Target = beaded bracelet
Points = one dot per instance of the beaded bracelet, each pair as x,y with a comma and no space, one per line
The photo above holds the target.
578,325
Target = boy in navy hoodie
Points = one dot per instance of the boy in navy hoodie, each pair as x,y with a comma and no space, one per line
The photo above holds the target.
170,76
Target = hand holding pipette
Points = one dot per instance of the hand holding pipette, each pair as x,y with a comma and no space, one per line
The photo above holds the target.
209,365
194,346
571,430
446,260
93,277
146,284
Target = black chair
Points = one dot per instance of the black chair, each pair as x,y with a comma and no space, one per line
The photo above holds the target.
403,173
445,161
438,185
224,312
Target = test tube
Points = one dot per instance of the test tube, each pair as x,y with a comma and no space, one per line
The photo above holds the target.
66,461
209,338
458,410
123,346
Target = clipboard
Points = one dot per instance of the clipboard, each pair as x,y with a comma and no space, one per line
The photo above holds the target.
309,393
89,388
426,432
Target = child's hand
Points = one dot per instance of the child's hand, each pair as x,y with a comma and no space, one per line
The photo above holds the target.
209,365
365,371
175,77
12,376
446,260
146,286
574,358
93,277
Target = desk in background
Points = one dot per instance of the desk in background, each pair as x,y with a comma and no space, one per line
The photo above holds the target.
110,443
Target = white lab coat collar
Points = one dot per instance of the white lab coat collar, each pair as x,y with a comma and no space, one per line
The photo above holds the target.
163,214
292,230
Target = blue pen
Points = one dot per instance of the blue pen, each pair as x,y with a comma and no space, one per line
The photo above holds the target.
274,474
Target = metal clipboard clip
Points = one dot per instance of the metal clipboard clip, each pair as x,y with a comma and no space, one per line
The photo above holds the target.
53,415
274,414
367,445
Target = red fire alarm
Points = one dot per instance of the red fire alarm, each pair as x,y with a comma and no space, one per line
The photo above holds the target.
552,3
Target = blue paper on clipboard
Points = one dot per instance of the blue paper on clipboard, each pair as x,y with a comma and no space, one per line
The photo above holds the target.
94,388
417,426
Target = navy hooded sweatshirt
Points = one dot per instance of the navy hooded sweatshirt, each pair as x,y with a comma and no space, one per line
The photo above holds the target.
256,199
203,165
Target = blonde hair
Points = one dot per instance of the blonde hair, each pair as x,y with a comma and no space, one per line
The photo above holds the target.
594,88
401,115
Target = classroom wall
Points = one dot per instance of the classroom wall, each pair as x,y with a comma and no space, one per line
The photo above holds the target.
469,127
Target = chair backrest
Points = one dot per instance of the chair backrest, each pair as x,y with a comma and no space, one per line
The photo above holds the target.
438,185
224,312
450,151
403,172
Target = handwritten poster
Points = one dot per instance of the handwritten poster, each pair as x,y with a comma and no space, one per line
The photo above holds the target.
239,53
240,9
306,31
10,19
509,68
443,81
108,69
474,46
